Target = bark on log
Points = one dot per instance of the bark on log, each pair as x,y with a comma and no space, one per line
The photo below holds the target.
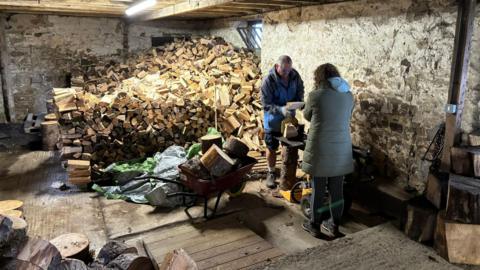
208,140
461,161
234,147
178,260
72,264
73,245
131,261
463,203
111,250
6,230
436,190
288,171
40,253
195,167
420,221
50,135
463,243
440,241
217,162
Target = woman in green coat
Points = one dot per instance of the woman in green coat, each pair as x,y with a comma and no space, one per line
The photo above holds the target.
328,151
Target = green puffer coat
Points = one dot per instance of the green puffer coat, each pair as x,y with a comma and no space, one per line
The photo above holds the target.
328,151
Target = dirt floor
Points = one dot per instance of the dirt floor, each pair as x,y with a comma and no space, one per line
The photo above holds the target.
28,175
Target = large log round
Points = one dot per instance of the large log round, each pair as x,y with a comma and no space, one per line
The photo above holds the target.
111,250
72,245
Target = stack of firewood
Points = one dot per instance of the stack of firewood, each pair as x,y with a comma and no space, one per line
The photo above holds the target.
79,172
449,213
170,95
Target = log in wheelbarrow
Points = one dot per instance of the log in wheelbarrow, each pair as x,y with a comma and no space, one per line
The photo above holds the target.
194,187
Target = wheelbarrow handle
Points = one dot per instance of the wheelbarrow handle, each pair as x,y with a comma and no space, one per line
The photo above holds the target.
160,179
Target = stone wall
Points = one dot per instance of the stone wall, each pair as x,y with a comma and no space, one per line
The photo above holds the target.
40,50
397,56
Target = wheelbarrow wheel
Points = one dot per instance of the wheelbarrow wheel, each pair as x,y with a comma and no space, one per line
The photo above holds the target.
305,205
296,192
236,190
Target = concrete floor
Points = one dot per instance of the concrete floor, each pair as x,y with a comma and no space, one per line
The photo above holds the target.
27,175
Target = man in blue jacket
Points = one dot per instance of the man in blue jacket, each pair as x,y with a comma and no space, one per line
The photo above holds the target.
283,84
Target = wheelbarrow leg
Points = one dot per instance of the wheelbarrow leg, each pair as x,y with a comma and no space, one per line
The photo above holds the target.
205,207
219,196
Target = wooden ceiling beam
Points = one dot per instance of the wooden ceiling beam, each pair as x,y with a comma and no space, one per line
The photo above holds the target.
182,8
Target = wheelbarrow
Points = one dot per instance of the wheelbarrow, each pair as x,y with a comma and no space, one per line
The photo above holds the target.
191,186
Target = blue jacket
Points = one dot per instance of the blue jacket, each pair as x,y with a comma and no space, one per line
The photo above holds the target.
275,95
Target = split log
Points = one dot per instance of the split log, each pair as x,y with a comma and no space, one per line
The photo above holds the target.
463,202
12,213
50,135
420,220
474,139
440,241
208,140
39,253
178,259
111,250
461,162
72,264
78,164
217,162
236,148
73,245
290,131
463,243
129,261
436,190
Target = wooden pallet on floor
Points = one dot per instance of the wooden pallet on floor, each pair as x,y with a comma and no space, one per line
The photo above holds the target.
222,243
33,123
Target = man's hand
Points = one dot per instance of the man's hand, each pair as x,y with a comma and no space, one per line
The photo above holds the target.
285,112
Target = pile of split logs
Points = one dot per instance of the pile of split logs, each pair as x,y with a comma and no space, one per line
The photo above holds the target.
170,95
449,213
215,161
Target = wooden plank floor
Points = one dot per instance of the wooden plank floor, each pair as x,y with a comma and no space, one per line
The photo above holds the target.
222,243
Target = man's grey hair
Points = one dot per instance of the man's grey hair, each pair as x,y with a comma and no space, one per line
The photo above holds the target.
284,59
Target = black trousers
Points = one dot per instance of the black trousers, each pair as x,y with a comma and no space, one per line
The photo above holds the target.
317,200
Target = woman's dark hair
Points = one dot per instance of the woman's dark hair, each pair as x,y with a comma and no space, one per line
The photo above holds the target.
323,73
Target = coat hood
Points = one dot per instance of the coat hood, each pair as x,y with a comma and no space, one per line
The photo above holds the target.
339,84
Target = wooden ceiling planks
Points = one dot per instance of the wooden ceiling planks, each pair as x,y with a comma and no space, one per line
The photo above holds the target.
171,9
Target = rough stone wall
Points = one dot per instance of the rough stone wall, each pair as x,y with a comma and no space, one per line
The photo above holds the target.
227,29
397,56
40,50
140,34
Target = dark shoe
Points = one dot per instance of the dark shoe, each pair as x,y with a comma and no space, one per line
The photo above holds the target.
271,180
313,229
330,229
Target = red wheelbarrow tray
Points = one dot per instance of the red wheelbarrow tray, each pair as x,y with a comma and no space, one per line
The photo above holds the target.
205,188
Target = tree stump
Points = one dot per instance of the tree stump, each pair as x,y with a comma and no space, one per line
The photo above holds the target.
208,140
50,135
217,162
288,170
236,148
73,245
129,261
111,250
463,202
10,205
420,221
